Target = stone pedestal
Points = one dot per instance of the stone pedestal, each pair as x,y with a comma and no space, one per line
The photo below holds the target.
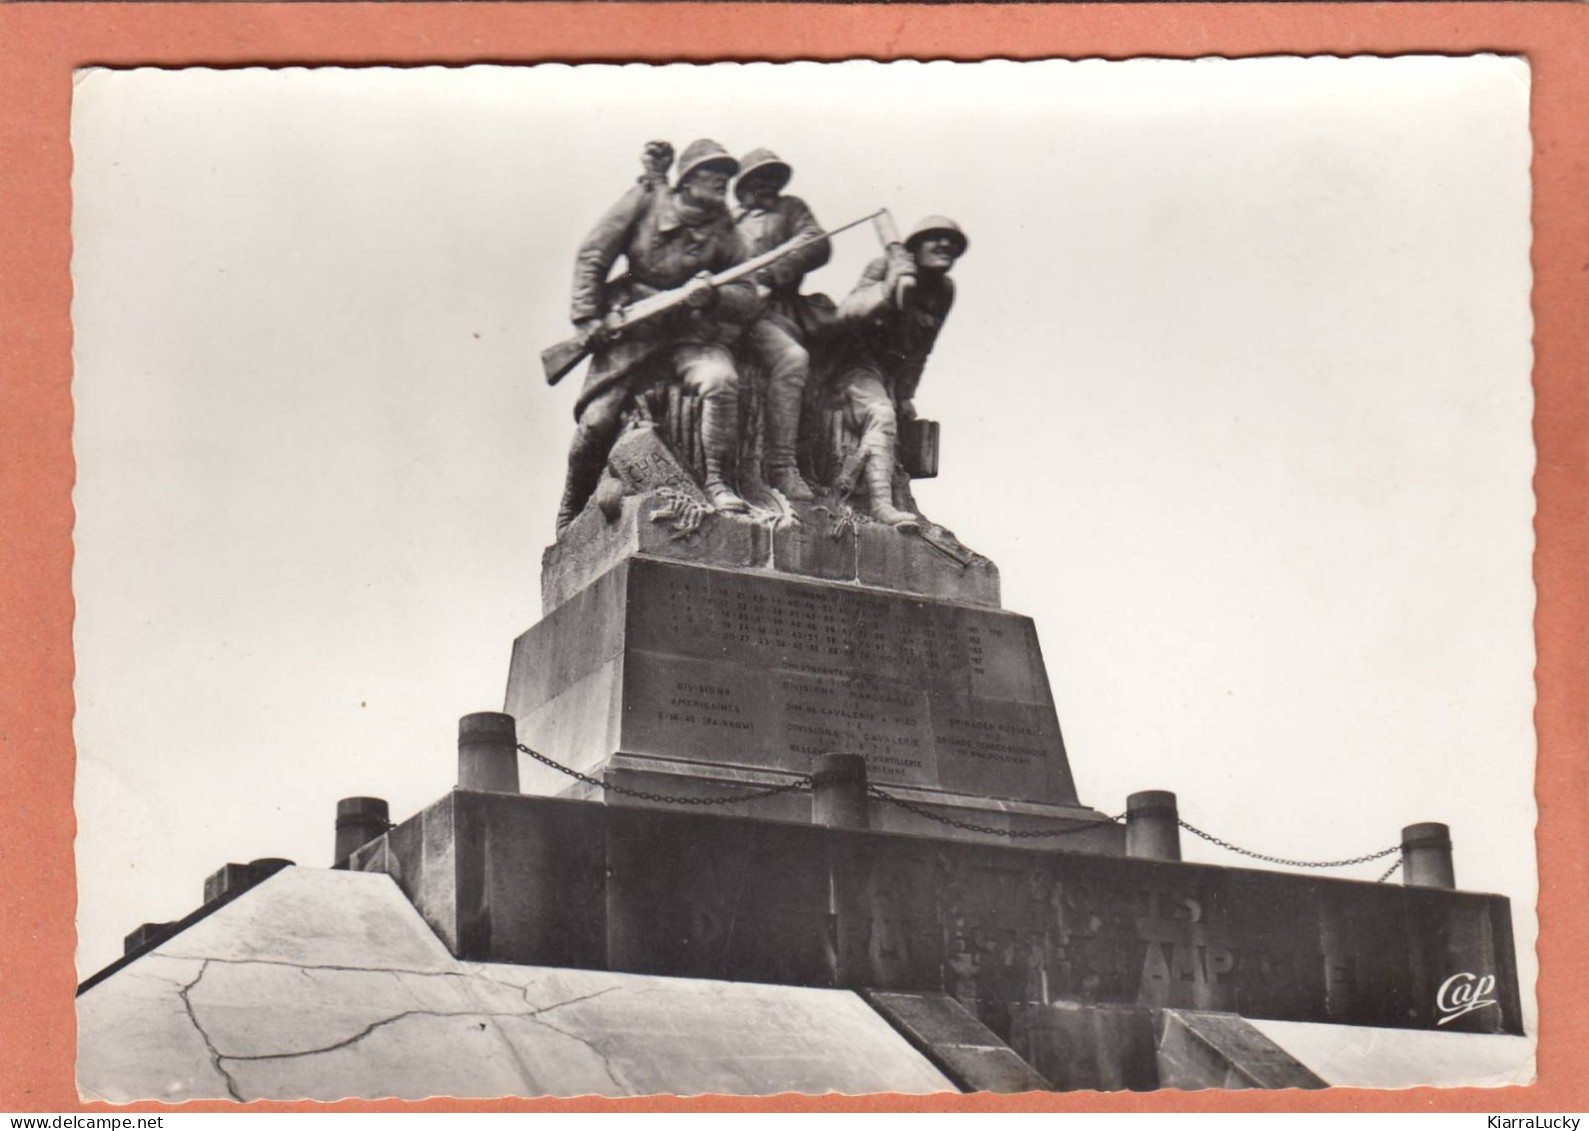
1023,937
824,540
699,680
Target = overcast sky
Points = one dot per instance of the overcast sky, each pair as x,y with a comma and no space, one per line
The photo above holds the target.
1236,394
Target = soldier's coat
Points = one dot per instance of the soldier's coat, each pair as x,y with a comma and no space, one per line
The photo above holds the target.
664,244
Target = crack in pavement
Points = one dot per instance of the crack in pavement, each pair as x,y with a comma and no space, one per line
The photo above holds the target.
535,1016
397,976
160,979
374,1026
318,966
215,1055
560,1004
606,1061
476,974
355,1038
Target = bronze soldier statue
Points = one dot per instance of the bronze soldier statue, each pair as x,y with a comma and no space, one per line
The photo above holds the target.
669,237
777,339
890,322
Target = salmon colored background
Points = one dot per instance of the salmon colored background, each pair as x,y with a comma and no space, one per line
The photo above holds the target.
41,44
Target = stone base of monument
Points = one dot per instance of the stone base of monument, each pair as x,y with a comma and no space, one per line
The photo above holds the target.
1138,1048
690,679
1094,971
825,540
542,881
324,985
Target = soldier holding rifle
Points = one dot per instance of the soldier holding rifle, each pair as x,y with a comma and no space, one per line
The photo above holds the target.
768,217
890,323
689,290
670,238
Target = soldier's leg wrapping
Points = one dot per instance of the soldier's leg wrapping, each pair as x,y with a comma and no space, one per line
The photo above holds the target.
788,365
872,411
707,370
587,453
872,408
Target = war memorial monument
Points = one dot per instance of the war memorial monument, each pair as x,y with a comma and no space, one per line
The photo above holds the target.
778,798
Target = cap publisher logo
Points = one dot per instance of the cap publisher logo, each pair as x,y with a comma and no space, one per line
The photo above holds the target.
1462,993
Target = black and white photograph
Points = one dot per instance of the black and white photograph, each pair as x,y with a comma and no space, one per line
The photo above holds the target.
746,579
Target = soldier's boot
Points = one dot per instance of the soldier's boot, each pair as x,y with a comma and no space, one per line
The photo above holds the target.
788,482
585,465
880,485
719,438
723,498
783,424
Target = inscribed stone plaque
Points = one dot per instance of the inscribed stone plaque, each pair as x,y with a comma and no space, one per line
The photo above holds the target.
761,670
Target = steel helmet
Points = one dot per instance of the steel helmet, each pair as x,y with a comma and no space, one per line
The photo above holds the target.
764,160
938,226
706,152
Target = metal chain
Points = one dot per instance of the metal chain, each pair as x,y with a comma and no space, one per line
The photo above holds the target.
667,798
804,782
1380,855
1024,834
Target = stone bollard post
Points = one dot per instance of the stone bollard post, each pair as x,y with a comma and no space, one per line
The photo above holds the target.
488,755
1426,857
838,791
148,935
359,821
231,878
1153,830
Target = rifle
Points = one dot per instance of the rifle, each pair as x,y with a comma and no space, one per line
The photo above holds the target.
888,236
887,230
559,360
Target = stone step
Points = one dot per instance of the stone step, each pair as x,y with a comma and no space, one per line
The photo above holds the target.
960,1046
